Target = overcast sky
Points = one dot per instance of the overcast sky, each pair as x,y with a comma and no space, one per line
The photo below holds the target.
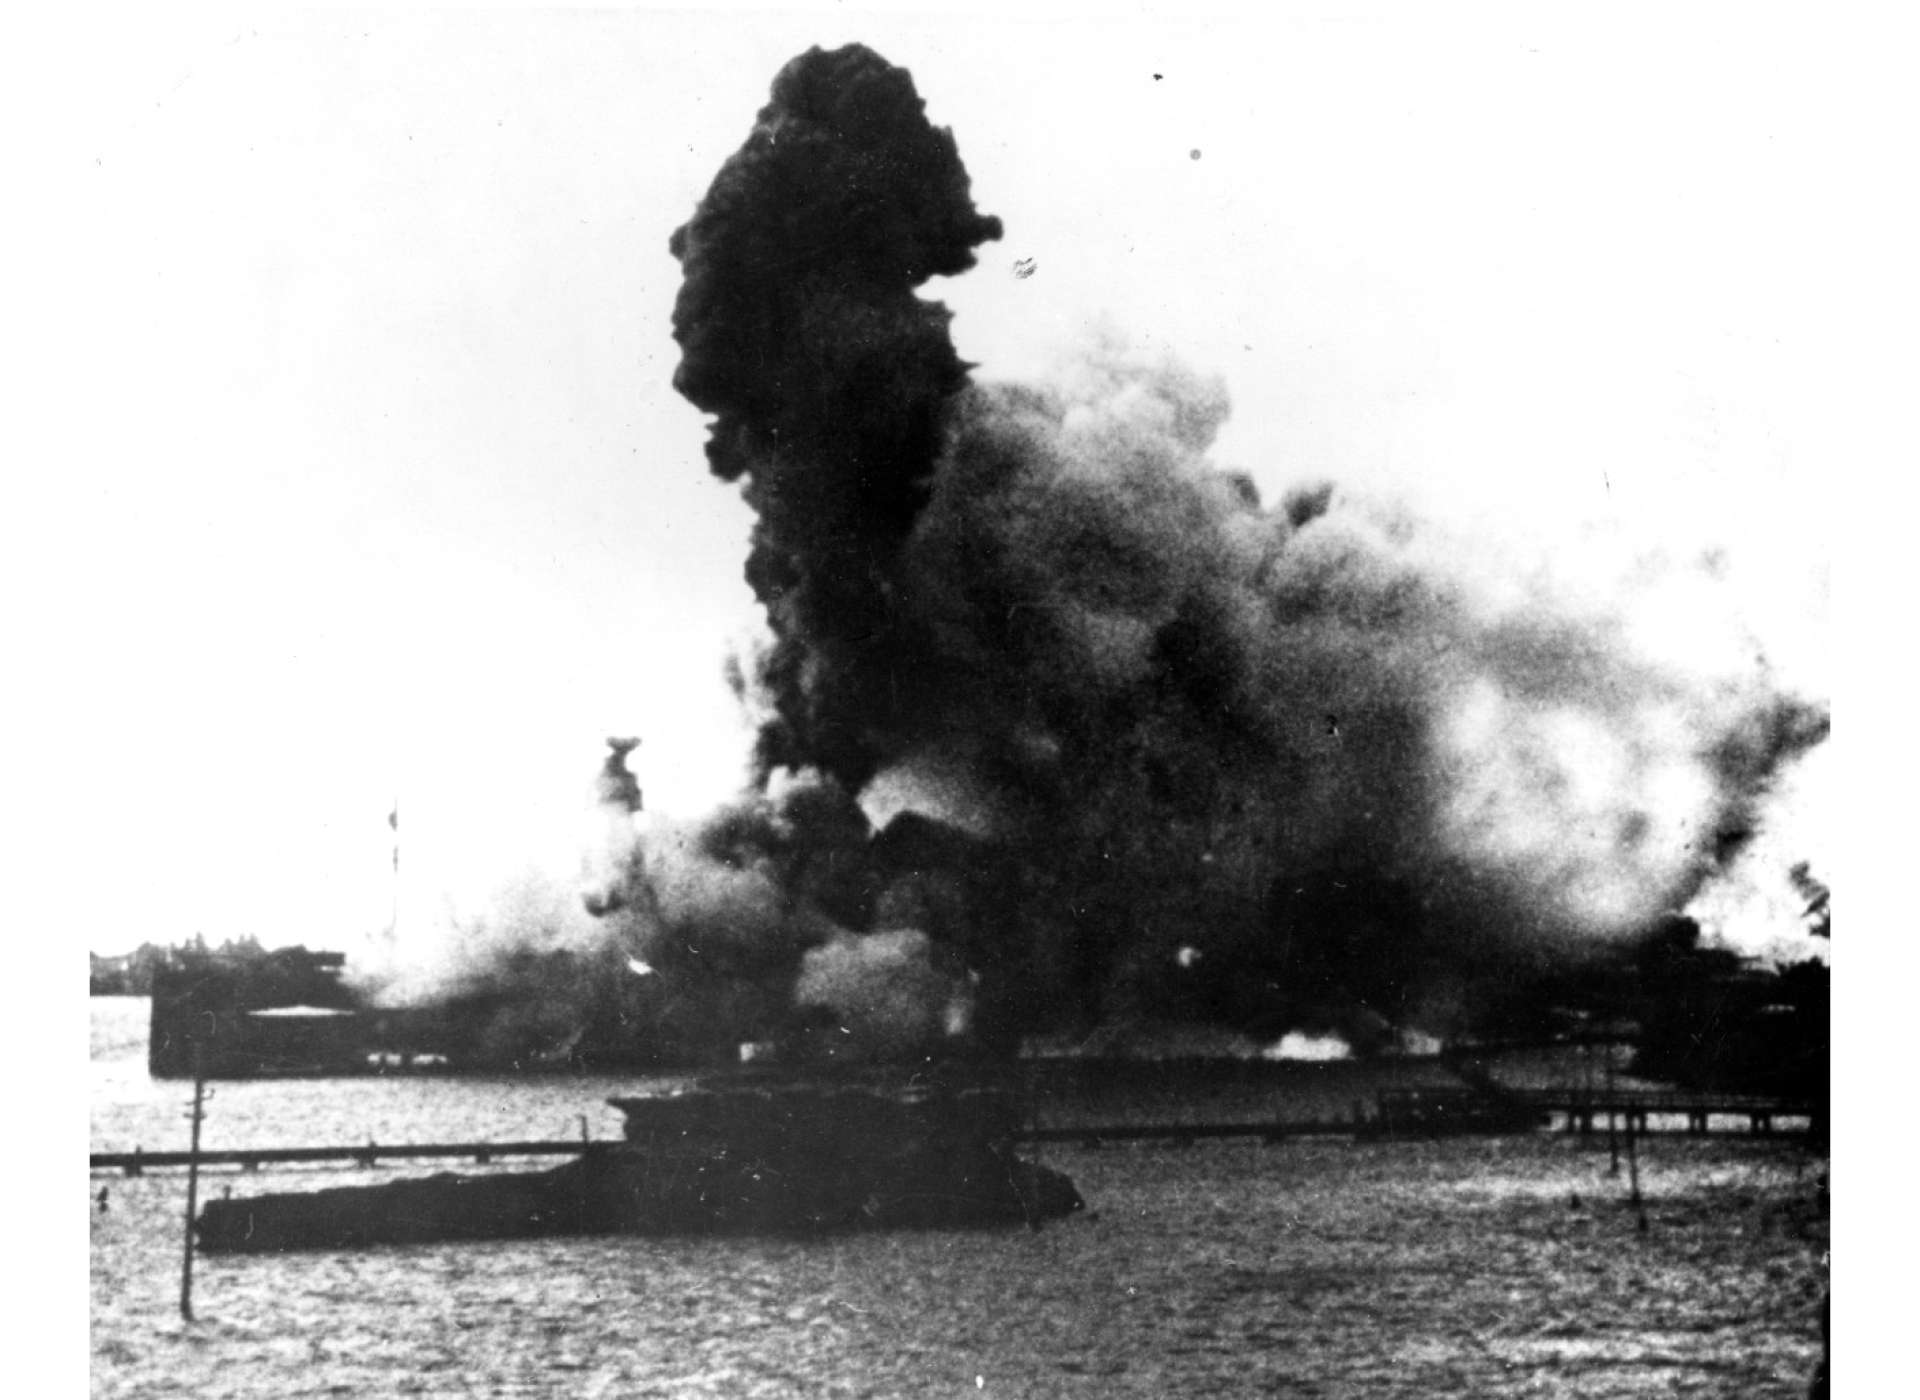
379,487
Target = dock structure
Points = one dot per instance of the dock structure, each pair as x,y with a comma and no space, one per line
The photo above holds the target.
1423,1113
136,1162
1658,1110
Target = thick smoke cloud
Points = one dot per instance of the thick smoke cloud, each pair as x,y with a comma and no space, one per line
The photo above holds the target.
524,982
800,330
1210,757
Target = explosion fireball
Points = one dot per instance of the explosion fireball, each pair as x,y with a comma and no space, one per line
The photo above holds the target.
1137,742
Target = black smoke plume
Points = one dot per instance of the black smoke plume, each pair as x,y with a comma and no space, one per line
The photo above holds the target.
828,377
1189,755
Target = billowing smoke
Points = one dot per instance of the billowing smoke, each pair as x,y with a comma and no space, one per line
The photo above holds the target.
524,981
534,970
1192,754
886,990
830,379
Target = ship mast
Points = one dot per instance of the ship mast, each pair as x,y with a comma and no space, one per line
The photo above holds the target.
393,821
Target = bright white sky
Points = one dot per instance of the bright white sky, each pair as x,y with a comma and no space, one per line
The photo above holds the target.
373,482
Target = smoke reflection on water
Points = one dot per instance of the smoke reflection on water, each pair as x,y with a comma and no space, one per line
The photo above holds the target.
1407,1270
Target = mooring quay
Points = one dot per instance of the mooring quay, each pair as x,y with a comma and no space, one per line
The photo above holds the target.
1400,1113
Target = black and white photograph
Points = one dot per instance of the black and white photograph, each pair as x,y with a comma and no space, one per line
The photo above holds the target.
1009,702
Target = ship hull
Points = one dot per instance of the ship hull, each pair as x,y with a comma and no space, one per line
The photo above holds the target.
622,1189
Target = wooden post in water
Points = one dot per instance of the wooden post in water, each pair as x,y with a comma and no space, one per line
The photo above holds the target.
193,1183
1613,1138
1633,1170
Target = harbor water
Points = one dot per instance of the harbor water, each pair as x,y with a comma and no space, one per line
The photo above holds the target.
1314,1267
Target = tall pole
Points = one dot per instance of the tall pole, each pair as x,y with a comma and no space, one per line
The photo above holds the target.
393,821
1613,1138
193,1182
1633,1169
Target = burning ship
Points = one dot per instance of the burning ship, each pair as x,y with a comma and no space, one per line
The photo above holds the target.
743,1155
594,1006
1062,725
233,1016
1150,746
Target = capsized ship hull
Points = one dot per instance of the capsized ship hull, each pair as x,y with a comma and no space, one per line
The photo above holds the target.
787,1159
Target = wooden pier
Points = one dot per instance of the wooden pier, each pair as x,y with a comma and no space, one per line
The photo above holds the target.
1657,1110
1423,1113
253,1158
